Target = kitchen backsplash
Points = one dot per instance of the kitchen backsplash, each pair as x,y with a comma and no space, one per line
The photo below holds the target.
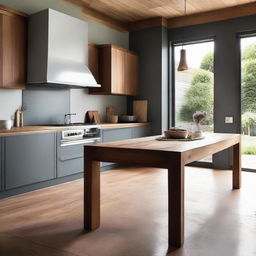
81,101
45,105
10,100
49,105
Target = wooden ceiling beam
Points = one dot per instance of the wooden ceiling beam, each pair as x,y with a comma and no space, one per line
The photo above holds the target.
104,19
98,16
212,16
10,11
148,23
181,21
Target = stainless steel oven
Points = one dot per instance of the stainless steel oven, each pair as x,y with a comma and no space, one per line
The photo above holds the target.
87,134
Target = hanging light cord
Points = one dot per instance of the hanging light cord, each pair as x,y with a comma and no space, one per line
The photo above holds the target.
185,13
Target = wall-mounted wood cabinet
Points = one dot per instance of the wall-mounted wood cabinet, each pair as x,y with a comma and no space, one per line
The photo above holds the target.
12,50
117,70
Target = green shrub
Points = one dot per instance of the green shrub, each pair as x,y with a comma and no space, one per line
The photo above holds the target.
202,77
248,120
207,62
199,97
249,150
249,52
249,86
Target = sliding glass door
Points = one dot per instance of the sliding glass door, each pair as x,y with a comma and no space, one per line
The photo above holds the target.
248,102
193,88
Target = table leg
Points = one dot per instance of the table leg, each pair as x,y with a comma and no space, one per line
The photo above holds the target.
91,193
176,204
237,166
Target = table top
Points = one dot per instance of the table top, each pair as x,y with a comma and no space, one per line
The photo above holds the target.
150,143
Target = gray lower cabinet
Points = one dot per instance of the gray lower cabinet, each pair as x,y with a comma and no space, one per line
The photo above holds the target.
110,135
1,164
70,159
141,131
29,159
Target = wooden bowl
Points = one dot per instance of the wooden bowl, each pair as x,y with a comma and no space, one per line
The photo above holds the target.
175,133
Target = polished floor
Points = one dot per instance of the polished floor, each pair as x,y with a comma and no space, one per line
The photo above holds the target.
218,221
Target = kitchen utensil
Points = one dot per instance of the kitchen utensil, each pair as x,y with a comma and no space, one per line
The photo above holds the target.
140,109
6,124
113,119
176,133
110,112
93,116
127,119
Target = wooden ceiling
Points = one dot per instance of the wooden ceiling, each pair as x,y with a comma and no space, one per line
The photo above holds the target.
122,14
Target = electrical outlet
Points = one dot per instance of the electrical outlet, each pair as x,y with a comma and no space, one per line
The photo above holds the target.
228,119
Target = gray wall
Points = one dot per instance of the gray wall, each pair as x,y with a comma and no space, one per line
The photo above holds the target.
80,100
10,100
45,106
152,47
227,71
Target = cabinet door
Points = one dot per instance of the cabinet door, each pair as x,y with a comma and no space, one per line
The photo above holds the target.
117,71
13,55
93,62
143,131
109,135
29,159
70,159
1,164
131,71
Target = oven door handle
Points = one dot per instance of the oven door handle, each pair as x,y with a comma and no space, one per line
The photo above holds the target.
77,142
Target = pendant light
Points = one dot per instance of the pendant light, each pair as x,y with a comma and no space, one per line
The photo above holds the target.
183,58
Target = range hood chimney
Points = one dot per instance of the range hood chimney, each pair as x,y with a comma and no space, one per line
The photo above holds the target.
58,51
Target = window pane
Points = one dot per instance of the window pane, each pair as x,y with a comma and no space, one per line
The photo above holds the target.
248,68
194,87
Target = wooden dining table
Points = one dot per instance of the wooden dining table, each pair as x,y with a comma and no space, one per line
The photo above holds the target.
150,152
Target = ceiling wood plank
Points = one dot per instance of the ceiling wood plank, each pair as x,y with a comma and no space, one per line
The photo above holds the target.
132,15
104,19
10,11
212,16
148,23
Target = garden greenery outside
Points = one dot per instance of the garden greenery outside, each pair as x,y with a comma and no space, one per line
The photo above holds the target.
199,95
249,99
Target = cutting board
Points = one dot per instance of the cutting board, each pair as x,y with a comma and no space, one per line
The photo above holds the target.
140,109
93,117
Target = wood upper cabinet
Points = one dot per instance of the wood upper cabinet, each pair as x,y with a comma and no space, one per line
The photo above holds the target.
118,71
12,50
93,60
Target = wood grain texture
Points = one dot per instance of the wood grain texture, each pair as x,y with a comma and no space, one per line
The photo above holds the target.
43,129
212,16
134,204
176,203
237,166
11,12
141,14
118,71
93,60
172,155
140,109
13,51
91,192
148,23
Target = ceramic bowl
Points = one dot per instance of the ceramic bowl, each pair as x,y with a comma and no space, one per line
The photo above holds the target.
176,133
6,124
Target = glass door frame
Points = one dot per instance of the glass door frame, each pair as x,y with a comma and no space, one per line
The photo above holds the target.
240,36
171,98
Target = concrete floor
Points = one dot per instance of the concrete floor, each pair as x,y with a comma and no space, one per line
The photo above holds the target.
218,221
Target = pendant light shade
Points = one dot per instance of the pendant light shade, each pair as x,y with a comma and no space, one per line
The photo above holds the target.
183,61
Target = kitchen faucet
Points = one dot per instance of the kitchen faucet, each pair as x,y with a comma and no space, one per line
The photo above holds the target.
67,118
